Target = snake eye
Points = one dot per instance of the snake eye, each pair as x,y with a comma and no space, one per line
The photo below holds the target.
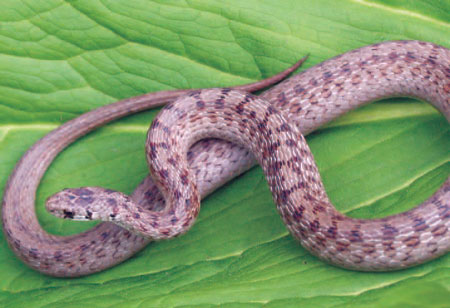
68,214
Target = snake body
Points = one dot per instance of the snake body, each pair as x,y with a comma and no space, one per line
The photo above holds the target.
185,170
104,245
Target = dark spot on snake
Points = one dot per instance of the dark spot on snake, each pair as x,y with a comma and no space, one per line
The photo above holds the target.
290,142
247,98
83,191
284,128
389,231
412,241
341,246
57,255
84,200
194,93
410,55
301,185
439,230
164,174
111,201
393,55
435,249
33,253
331,232
153,151
165,231
314,226
172,161
177,194
326,75
155,123
444,211
184,179
318,209
419,224
355,236
282,99
309,197
313,82
225,91
271,110
284,195
298,213
68,214
240,109
219,103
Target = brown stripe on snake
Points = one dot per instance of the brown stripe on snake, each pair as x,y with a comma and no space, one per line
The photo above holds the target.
307,100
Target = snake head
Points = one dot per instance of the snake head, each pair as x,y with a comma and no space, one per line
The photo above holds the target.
74,204
97,203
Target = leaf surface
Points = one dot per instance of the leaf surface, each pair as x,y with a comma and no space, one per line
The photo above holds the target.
59,59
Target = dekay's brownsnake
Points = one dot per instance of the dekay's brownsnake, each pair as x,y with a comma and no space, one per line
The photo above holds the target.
308,100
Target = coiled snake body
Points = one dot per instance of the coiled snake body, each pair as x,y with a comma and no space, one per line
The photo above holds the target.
270,126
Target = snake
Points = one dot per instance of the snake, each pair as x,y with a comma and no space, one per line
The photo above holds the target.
246,129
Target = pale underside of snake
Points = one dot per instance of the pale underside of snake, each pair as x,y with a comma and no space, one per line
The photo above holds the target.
271,126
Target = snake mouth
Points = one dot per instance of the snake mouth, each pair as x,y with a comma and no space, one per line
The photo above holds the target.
69,214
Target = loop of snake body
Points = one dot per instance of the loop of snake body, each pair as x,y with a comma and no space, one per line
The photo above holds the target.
271,126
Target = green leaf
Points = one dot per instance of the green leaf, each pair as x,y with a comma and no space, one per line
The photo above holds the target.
59,59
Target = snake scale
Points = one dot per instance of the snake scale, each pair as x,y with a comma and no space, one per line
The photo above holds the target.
266,129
